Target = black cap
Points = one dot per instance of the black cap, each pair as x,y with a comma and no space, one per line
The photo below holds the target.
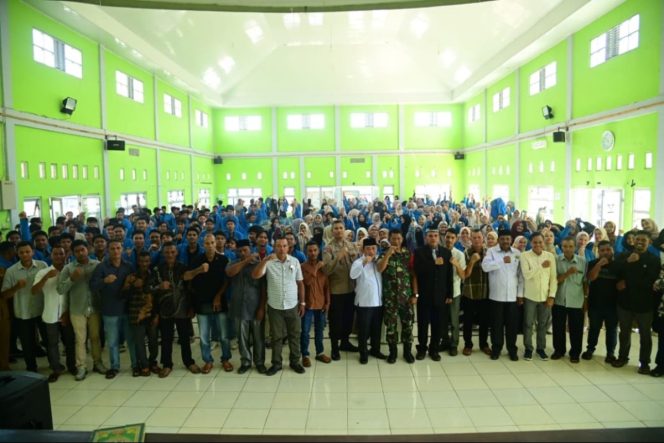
502,232
242,243
369,241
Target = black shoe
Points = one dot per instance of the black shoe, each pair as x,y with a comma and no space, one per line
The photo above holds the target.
619,362
657,372
434,356
421,355
364,358
542,355
349,347
514,357
244,368
453,352
273,370
377,354
444,346
335,355
495,356
587,355
297,368
574,359
135,372
40,352
609,359
408,354
392,358
111,373
556,356
261,369
644,369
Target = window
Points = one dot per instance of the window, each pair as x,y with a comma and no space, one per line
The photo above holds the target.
204,198
648,160
474,113
578,165
201,119
243,123
641,206
609,163
122,174
65,172
145,174
176,198
598,163
246,194
52,52
289,195
369,120
630,161
133,174
544,78
129,200
42,170
129,87
74,172
95,172
433,119
501,99
619,161
540,198
172,106
84,172
24,170
305,121
616,41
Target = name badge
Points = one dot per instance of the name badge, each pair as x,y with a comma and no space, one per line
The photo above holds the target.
440,261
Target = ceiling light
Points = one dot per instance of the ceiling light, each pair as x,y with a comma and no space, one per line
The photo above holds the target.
419,26
315,18
226,63
462,74
291,20
448,57
136,53
120,42
254,32
211,78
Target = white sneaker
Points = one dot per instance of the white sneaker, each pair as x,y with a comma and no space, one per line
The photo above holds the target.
81,374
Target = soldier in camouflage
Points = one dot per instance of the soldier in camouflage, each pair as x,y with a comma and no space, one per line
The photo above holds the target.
399,295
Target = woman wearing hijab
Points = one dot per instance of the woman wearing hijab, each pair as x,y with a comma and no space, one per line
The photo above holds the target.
303,236
583,248
520,243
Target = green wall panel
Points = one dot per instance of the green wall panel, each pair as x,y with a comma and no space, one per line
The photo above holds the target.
311,140
175,170
388,172
172,129
125,115
354,173
369,139
501,165
201,138
40,89
140,174
543,166
242,141
432,169
502,123
474,174
320,169
257,174
473,133
289,175
433,137
623,79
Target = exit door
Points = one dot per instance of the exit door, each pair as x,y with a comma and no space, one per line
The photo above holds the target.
607,207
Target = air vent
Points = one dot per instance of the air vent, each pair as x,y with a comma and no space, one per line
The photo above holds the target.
357,160
134,152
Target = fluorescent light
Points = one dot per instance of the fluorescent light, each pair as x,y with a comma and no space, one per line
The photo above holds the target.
120,42
418,26
315,18
291,20
211,78
448,57
226,63
254,32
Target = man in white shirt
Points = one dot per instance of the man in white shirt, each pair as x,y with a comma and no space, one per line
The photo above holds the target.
540,282
459,263
502,264
368,303
285,303
55,315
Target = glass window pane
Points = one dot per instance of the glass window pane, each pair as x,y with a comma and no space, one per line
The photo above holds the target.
294,122
317,121
506,97
358,120
232,124
254,123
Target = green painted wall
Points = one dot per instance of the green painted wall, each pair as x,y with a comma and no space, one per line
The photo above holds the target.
242,141
501,164
433,137
202,139
473,132
125,115
35,146
430,169
288,175
311,140
624,79
233,168
172,129
369,139
474,174
145,167
501,124
175,174
42,90
320,169
387,172
354,173
543,167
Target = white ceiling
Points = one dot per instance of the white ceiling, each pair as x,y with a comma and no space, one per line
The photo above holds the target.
437,54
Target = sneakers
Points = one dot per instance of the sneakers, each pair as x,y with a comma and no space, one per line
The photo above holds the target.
528,355
542,355
588,355
81,373
100,368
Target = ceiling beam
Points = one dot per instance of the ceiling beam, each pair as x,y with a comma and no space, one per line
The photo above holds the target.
285,7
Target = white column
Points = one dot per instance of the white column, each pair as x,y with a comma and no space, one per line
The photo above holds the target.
275,166
517,165
337,151
156,102
568,136
108,208
402,145
10,139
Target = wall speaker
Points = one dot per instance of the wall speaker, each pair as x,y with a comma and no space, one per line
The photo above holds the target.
459,156
559,137
115,145
218,160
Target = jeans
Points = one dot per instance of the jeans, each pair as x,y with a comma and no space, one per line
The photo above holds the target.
567,317
251,341
55,332
137,334
166,327
369,323
27,334
113,324
505,325
475,312
532,312
206,324
285,323
644,321
317,317
607,314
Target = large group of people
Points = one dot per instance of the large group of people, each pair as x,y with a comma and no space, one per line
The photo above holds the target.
263,272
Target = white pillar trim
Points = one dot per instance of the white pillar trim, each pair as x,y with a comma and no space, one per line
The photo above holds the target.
5,57
156,101
275,149
402,147
106,164
568,136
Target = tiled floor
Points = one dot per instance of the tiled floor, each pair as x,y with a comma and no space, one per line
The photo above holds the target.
458,395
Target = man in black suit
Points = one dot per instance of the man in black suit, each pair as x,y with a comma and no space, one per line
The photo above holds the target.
434,280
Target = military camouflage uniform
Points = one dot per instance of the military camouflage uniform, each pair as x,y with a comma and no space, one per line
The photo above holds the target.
396,294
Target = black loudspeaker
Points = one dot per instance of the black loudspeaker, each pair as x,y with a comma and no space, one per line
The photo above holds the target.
459,156
24,401
559,137
218,160
115,145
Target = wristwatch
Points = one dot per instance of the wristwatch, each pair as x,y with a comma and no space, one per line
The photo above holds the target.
417,295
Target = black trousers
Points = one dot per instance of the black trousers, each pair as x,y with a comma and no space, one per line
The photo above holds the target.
563,317
438,318
27,334
504,327
340,317
644,321
167,333
369,323
475,312
56,332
